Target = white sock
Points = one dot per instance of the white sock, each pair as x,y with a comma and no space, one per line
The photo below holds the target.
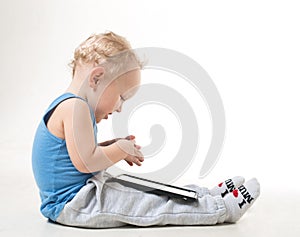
227,186
240,199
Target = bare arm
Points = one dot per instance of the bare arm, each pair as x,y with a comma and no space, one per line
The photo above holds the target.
87,156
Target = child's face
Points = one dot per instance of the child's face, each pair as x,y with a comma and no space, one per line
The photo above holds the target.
120,90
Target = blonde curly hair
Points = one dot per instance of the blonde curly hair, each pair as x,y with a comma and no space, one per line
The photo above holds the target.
101,48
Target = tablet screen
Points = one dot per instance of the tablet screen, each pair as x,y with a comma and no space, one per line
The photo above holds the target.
155,187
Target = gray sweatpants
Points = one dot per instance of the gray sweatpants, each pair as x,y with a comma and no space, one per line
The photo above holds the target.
101,204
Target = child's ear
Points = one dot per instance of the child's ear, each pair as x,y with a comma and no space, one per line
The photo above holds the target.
96,75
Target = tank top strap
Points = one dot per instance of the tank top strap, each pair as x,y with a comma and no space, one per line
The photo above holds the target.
62,98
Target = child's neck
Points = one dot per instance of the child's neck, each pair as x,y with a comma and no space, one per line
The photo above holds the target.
77,85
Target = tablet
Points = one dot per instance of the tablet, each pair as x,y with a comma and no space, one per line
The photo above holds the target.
155,187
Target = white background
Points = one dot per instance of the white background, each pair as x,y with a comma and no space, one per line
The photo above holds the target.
249,48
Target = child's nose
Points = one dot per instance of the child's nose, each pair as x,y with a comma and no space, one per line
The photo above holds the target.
119,109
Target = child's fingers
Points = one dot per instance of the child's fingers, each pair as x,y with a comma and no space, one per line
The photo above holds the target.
130,137
131,149
129,163
141,158
137,147
138,154
135,159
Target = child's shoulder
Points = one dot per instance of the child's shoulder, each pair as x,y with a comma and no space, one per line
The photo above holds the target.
63,114
72,103
71,107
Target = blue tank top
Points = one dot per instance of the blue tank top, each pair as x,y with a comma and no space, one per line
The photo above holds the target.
57,178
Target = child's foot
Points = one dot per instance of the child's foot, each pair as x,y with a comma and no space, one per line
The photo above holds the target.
227,186
238,202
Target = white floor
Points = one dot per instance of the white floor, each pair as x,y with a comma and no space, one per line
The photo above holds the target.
274,213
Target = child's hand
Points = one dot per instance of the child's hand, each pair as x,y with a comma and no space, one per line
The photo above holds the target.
133,154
